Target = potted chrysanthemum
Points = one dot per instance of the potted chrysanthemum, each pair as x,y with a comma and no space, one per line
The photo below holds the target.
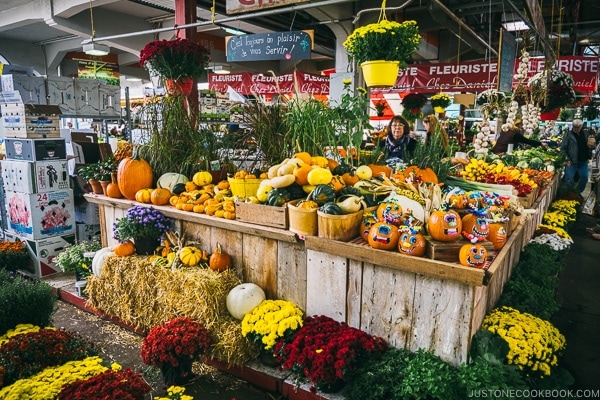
178,61
385,43
553,93
440,102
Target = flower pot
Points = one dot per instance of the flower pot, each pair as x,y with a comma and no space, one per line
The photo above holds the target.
179,375
439,110
180,87
104,184
268,358
551,115
380,73
145,246
96,186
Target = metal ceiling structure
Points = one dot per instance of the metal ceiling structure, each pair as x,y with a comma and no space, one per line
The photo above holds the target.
454,29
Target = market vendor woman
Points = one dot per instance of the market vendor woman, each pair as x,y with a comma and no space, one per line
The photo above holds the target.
398,142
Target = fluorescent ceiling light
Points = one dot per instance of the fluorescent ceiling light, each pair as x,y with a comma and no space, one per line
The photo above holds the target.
95,49
234,31
514,26
133,79
221,70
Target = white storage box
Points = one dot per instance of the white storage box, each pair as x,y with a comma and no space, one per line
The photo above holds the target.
87,213
30,120
110,100
43,253
36,149
88,232
61,92
40,215
87,96
35,177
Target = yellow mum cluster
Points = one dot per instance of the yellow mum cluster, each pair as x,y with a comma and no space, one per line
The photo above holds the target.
19,330
533,343
272,320
176,393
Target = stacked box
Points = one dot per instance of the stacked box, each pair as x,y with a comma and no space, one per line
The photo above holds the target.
30,120
61,92
88,232
87,96
36,149
110,100
43,253
40,215
35,177
87,213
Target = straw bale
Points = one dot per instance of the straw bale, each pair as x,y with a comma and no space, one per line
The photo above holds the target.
230,345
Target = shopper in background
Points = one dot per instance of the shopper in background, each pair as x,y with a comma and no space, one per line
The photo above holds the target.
434,128
399,141
577,154
515,137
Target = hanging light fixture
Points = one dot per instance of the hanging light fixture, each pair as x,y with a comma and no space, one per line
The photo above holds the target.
92,48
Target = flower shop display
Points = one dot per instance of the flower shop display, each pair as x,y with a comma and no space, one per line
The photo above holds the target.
173,346
178,61
145,225
440,101
554,92
270,322
73,258
412,104
326,351
110,384
491,102
534,344
386,44
13,255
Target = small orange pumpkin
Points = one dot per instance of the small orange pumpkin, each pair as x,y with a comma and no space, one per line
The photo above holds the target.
444,225
411,242
369,219
390,212
472,255
378,170
497,235
160,196
383,236
350,178
219,260
112,190
124,249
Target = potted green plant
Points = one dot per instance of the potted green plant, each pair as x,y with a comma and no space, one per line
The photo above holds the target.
412,104
385,43
73,258
91,173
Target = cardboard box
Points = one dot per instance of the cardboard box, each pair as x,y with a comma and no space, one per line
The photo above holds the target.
87,96
61,92
87,232
30,120
40,215
32,88
87,213
36,149
110,100
35,177
43,253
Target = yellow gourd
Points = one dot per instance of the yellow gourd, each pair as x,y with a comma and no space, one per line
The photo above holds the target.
190,256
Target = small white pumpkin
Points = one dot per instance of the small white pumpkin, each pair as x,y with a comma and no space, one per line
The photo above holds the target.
243,298
170,179
99,258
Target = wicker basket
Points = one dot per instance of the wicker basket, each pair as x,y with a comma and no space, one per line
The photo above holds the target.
244,187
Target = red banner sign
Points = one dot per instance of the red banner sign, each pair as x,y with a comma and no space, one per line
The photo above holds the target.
248,84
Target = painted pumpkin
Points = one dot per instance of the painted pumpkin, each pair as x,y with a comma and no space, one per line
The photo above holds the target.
497,235
383,236
475,226
472,255
411,243
458,201
444,226
474,199
369,219
390,212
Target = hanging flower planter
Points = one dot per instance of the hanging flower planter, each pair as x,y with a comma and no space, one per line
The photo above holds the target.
179,87
551,115
380,73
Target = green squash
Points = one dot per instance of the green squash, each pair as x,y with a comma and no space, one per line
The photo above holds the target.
322,194
331,208
341,169
278,197
178,188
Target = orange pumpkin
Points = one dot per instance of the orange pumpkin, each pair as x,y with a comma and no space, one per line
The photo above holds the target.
337,183
124,249
380,169
160,196
472,255
390,212
424,174
368,220
219,260
350,178
301,174
383,236
411,243
476,226
112,190
444,226
458,201
132,175
497,235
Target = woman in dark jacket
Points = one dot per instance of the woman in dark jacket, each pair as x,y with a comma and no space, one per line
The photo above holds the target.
398,142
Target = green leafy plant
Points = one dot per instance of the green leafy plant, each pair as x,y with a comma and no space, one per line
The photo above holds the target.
310,126
73,259
269,128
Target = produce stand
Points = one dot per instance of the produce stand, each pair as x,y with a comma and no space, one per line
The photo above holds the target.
411,302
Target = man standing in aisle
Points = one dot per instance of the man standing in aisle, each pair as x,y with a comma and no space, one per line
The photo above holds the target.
577,154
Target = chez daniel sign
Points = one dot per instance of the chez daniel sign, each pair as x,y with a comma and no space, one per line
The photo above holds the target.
470,76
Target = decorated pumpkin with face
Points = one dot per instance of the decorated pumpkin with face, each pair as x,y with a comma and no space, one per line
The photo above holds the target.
383,236
474,199
476,226
411,243
369,219
472,255
497,235
390,212
458,201
444,226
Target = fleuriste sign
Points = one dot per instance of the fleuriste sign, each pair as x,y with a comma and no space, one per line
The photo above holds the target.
248,84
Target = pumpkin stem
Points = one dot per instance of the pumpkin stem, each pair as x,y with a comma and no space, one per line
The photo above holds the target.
219,249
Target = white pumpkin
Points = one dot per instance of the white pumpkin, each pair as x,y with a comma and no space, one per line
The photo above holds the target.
99,258
243,298
170,179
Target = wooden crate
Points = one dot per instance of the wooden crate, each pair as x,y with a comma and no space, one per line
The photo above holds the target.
448,251
259,214
527,201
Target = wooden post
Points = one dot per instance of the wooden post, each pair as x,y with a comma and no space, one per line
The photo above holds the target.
185,13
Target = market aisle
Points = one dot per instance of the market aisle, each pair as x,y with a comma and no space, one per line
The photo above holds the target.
579,316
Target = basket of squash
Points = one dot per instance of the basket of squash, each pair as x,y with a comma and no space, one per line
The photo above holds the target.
244,184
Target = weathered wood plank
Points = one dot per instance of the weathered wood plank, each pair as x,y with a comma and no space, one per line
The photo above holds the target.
387,304
326,276
291,273
259,261
354,295
442,313
480,305
394,260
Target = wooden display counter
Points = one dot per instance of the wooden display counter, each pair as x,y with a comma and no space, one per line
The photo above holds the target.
411,302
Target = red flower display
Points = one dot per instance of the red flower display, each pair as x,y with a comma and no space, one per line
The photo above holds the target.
175,59
176,341
122,385
325,350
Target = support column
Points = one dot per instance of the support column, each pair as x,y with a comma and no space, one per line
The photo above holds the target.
185,13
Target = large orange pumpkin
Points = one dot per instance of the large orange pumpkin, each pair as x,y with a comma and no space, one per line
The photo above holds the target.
383,236
425,174
472,255
133,175
444,226
380,169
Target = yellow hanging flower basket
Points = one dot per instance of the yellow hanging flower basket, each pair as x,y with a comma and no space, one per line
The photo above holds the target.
380,73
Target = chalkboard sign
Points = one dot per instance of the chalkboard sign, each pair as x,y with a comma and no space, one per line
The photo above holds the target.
506,61
292,45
